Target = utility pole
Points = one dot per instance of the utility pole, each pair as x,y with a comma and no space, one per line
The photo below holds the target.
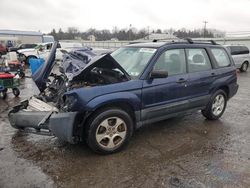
148,32
205,28
129,32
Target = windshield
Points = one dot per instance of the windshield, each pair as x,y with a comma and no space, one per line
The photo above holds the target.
133,59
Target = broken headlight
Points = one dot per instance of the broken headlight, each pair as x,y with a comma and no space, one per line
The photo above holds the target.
69,103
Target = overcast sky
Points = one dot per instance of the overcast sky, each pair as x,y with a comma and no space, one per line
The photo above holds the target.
43,15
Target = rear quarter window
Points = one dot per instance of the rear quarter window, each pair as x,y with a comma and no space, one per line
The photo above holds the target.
221,57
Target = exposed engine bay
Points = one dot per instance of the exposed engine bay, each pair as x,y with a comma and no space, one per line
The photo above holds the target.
74,74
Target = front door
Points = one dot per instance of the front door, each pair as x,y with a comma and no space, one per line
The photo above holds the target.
164,96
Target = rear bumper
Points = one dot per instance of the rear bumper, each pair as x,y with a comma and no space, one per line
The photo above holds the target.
60,125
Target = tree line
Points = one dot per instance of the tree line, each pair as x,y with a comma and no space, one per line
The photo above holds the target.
128,34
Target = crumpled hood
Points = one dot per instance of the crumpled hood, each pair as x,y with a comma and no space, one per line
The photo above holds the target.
101,61
74,62
75,65
40,77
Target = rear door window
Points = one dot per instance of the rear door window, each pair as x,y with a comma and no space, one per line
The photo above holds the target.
198,60
221,57
244,50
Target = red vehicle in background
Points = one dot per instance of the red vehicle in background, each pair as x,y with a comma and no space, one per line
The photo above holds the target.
3,49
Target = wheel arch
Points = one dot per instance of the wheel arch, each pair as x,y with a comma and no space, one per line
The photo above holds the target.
225,88
118,104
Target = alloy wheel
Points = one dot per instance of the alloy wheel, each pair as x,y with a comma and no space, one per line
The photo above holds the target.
218,105
111,133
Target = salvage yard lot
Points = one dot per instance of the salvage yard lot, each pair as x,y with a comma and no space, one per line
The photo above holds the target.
181,152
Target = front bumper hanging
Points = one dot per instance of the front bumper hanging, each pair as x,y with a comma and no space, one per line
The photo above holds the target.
47,122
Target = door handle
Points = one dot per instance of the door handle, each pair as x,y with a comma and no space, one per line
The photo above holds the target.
181,80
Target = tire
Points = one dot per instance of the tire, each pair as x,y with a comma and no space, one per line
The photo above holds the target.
109,130
21,74
216,106
3,94
16,92
244,67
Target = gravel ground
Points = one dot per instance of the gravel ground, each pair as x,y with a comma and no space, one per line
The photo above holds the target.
181,152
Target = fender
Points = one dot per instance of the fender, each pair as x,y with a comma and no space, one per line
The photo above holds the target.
131,99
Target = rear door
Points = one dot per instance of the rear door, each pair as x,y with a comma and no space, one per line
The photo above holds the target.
200,76
164,96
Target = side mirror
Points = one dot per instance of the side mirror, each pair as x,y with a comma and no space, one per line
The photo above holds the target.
158,74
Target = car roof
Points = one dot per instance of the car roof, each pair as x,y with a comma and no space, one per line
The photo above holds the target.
170,43
146,44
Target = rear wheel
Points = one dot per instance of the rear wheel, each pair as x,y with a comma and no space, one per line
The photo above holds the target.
3,94
109,131
216,106
244,67
16,92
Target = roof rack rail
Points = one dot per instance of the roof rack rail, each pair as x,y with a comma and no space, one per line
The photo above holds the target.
191,41
163,40
213,42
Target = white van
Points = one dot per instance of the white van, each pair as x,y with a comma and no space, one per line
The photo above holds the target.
240,55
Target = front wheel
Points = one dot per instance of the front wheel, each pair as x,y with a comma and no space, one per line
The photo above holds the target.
109,131
216,106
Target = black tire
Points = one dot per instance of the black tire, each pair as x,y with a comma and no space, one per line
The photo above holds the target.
16,92
94,125
244,67
3,94
208,112
21,74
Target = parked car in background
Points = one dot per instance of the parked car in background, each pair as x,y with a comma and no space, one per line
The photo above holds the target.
105,99
3,50
42,50
240,55
22,46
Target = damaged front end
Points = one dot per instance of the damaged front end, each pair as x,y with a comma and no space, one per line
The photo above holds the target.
36,116
56,111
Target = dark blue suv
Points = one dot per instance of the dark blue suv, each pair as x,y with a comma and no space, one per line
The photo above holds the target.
105,99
